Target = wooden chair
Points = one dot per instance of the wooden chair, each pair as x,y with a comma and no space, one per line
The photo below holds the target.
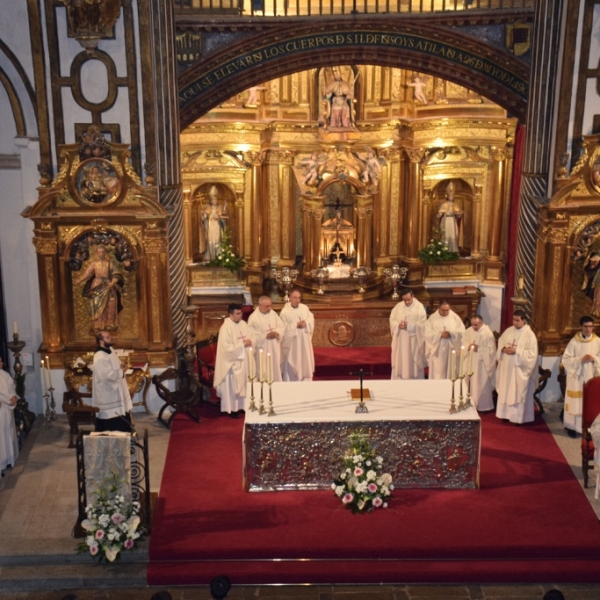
544,375
590,410
183,399
78,413
206,355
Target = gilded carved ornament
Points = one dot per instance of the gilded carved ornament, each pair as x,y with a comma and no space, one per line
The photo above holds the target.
89,22
44,246
550,234
155,246
415,155
499,154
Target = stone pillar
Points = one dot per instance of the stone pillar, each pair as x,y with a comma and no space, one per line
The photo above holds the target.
538,152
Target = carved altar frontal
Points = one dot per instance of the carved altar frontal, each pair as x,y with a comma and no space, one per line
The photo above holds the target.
303,445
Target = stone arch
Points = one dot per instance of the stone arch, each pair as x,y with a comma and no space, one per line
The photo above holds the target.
429,49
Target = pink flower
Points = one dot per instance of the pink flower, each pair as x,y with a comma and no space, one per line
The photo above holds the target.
347,498
358,471
128,544
93,550
117,518
377,502
372,487
100,534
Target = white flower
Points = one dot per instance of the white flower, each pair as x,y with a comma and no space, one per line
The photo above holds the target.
379,459
339,490
88,525
371,475
111,553
438,252
368,463
133,523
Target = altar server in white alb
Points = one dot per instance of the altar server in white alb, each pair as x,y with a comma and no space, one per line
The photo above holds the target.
267,331
443,334
480,347
581,361
298,360
231,365
516,379
407,321
9,445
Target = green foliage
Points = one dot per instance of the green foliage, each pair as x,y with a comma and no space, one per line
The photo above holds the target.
436,251
225,256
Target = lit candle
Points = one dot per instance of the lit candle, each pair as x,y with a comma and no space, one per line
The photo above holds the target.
15,328
262,365
270,367
49,372
44,377
521,284
251,359
460,363
452,363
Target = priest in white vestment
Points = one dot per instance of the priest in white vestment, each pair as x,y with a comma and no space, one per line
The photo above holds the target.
516,373
267,332
298,358
408,344
443,334
9,445
231,365
581,361
480,347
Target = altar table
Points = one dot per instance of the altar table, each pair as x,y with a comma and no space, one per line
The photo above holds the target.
302,446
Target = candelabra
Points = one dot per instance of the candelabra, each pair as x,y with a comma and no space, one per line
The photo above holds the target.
191,315
271,411
395,276
252,406
23,416
261,406
468,403
319,275
361,274
285,280
461,404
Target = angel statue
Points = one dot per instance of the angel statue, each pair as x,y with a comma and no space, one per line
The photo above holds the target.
312,167
371,166
420,85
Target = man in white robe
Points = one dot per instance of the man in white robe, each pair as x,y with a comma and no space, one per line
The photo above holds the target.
9,445
231,365
581,361
408,345
480,348
298,358
516,373
443,334
109,387
267,332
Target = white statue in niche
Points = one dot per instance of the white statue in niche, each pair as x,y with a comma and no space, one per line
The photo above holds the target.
214,221
449,216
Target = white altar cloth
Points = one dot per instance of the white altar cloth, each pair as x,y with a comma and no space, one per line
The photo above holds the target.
413,415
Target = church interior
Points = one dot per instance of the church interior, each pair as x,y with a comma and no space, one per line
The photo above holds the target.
202,152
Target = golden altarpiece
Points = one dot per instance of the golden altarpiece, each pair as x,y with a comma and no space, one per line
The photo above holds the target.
365,189
102,250
567,269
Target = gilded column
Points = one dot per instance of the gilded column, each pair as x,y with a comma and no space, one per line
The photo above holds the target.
47,259
381,248
312,217
414,202
364,210
239,214
154,269
286,213
498,190
258,218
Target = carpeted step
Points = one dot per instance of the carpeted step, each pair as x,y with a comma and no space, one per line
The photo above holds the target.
338,363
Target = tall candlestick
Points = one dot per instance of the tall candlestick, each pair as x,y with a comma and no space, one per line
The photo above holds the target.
453,364
270,367
15,328
262,365
44,376
49,372
460,362
251,359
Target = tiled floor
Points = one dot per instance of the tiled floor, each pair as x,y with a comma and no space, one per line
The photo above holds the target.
38,511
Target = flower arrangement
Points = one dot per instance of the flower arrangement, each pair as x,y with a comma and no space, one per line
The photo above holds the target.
361,485
436,251
225,256
112,522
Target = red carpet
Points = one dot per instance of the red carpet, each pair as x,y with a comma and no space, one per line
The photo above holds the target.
338,363
529,522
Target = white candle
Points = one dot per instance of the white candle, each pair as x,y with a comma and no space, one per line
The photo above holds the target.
452,363
460,363
251,359
471,359
15,328
49,372
262,365
270,367
44,376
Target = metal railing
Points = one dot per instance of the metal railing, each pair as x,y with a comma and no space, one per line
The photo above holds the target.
300,8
